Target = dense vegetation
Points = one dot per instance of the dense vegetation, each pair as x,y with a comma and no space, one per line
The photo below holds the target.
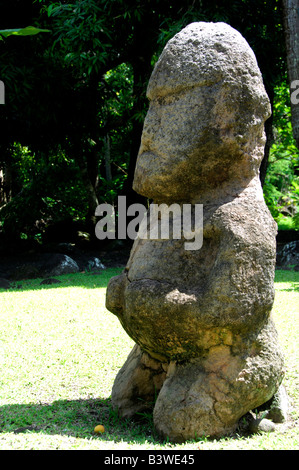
75,103
281,187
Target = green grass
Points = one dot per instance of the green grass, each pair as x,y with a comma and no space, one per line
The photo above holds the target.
60,350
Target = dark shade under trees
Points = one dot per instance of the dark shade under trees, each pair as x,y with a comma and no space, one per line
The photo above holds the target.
75,98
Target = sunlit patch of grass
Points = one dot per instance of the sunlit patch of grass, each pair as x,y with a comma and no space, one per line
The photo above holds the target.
60,350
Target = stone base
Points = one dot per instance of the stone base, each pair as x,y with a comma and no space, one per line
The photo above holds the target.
138,383
204,396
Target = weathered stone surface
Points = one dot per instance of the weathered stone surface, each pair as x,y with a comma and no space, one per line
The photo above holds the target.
223,290
43,265
137,383
57,264
276,409
206,313
289,254
261,425
62,258
207,396
279,408
95,265
204,130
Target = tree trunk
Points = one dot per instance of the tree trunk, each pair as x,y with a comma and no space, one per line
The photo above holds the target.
88,164
108,158
90,179
7,183
269,142
91,195
291,28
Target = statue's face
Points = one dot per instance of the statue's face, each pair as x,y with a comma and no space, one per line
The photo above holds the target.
173,128
205,123
195,140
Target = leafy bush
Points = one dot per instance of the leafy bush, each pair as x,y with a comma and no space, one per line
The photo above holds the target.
47,190
281,187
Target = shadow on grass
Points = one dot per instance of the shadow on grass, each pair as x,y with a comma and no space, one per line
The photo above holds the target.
293,288
76,418
290,277
88,280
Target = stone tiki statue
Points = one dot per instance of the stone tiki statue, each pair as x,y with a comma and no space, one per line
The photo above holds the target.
206,347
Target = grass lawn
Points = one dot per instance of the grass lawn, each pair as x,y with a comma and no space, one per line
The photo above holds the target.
60,350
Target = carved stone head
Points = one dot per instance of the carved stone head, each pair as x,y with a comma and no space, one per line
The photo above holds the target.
204,130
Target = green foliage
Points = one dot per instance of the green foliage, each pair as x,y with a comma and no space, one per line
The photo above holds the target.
48,190
28,31
281,188
82,31
75,101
